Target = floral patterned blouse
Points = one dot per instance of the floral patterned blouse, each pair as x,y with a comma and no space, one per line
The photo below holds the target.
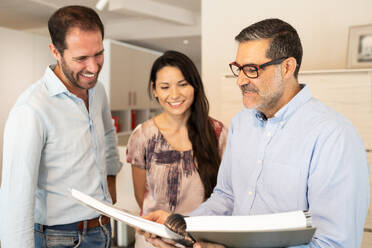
173,183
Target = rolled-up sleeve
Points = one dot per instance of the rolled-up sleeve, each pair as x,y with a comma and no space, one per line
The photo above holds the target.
112,155
22,147
338,189
111,151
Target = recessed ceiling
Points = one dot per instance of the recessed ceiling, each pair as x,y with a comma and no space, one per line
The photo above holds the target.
189,45
154,29
192,5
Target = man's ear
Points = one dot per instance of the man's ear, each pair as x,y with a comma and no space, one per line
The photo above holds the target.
54,51
288,67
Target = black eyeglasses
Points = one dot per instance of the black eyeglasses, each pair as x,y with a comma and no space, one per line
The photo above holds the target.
251,70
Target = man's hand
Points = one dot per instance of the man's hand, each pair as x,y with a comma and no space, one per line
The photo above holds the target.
111,182
207,245
159,216
166,243
161,242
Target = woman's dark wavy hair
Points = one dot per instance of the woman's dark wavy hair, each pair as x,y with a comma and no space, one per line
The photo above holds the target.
200,130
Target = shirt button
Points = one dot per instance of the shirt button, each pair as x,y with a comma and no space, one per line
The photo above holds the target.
259,161
250,193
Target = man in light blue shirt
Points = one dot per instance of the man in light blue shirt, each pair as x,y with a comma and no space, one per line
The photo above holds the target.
287,151
59,135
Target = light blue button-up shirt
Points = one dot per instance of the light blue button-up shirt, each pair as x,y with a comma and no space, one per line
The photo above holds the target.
307,157
53,143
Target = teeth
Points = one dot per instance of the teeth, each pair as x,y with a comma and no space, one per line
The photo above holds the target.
87,75
175,103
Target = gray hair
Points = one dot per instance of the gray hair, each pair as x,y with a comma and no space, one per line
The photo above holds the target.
285,41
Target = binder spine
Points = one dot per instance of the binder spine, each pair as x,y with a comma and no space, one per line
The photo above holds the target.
308,218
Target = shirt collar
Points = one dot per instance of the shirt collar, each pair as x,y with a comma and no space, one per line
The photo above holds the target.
53,83
287,110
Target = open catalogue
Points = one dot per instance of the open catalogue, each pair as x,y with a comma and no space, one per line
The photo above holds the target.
268,230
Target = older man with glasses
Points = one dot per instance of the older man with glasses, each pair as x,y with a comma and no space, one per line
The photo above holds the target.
286,150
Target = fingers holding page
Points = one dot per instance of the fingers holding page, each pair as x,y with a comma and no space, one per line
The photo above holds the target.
162,243
158,216
207,245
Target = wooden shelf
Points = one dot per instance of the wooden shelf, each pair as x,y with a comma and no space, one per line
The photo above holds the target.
125,76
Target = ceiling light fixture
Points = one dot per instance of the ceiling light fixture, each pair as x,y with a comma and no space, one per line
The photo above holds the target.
101,4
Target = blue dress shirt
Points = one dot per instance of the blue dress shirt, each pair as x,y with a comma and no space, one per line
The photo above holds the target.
306,157
53,143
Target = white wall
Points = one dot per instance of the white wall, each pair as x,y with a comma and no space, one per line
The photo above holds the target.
23,60
322,25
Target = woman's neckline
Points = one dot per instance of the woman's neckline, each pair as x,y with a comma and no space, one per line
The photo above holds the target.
163,137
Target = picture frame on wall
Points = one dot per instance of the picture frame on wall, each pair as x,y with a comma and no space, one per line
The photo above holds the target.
360,47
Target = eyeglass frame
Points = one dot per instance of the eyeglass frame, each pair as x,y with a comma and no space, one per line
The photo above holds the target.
257,67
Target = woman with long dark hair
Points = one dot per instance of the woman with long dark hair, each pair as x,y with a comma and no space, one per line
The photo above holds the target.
175,156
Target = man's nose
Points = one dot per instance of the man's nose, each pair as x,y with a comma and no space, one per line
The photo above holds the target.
92,65
242,79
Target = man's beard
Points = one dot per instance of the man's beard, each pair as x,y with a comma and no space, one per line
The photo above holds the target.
248,88
74,79
268,99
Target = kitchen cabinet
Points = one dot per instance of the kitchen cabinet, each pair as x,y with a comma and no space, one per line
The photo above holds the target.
125,75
